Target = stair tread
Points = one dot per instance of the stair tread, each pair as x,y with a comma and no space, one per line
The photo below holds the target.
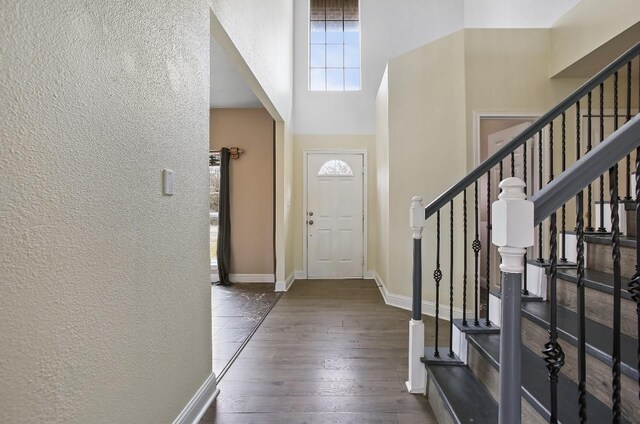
464,395
625,241
597,280
599,337
535,383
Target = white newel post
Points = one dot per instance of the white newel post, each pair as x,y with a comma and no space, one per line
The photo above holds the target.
512,223
417,382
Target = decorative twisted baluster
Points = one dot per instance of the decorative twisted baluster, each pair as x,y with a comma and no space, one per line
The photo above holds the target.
524,163
601,227
513,164
540,177
589,147
553,353
634,284
437,276
582,349
464,267
451,354
628,175
617,293
563,257
476,245
487,321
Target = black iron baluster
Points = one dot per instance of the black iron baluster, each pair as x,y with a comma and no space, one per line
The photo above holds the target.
513,164
487,321
563,257
582,348
540,177
617,292
451,354
617,277
601,228
437,276
580,295
553,353
634,284
524,164
477,245
628,175
589,146
464,267
499,274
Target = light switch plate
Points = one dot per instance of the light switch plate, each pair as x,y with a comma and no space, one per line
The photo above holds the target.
168,177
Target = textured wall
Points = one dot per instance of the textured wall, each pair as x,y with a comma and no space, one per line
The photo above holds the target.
105,305
262,32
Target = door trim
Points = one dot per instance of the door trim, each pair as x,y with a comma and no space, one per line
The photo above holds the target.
365,197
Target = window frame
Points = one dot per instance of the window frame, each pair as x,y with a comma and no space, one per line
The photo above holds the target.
325,68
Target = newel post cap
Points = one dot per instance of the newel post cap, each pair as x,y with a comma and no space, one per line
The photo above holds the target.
512,216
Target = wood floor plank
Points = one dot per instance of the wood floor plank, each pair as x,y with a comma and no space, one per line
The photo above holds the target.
328,352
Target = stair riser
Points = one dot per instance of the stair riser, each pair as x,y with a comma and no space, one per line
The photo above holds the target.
443,416
490,378
598,373
599,306
599,258
631,224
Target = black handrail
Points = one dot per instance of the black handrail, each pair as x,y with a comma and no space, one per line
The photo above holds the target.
593,164
530,132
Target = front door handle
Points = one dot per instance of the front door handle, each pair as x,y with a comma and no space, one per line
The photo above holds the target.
311,222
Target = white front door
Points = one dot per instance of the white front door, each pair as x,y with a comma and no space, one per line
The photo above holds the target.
335,215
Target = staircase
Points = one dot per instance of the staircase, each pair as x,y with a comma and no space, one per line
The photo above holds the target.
579,307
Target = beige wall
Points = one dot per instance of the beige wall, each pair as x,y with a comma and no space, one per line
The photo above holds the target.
251,185
380,213
330,142
427,145
588,26
431,137
105,308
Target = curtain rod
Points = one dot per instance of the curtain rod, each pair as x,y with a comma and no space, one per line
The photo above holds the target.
235,152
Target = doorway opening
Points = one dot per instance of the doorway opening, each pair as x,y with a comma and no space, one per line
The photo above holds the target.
335,215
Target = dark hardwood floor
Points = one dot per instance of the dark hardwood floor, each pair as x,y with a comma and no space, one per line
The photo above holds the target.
330,351
235,311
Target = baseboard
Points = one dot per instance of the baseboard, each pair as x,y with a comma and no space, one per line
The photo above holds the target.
405,302
252,278
283,286
300,275
369,275
215,277
199,403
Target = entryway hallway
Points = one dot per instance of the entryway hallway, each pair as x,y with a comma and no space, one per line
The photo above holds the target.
330,351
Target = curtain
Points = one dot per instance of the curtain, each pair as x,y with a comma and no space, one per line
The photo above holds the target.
224,220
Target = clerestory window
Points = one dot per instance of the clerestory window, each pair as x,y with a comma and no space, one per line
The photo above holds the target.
334,45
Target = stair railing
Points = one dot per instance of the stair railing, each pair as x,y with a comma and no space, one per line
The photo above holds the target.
549,133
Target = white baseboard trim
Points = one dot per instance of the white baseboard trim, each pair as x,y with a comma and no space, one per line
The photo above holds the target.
405,302
252,278
215,277
199,403
283,286
369,275
300,275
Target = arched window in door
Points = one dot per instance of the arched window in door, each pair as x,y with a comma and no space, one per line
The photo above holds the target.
335,168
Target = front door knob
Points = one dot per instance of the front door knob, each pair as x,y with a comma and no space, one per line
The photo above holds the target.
311,222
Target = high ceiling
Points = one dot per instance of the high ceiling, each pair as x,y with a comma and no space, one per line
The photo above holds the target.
228,89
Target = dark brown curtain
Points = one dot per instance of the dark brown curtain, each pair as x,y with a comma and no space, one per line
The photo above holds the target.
224,220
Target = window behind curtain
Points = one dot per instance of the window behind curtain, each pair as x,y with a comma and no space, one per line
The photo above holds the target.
334,45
